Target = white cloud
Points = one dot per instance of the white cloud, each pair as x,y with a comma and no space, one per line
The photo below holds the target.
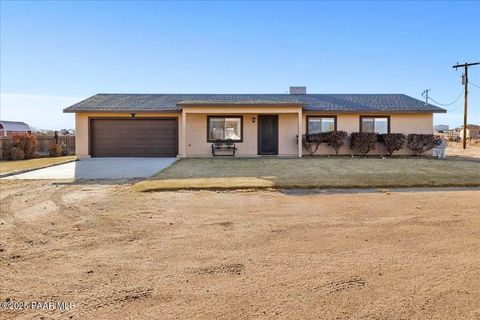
39,111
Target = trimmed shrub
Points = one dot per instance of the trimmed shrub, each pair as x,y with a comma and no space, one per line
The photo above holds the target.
363,142
336,139
419,143
311,143
27,142
392,141
55,150
318,137
17,154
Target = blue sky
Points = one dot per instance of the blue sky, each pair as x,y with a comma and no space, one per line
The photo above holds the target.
54,54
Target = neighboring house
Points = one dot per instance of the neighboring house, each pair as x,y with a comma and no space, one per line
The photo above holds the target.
185,125
451,134
10,128
472,132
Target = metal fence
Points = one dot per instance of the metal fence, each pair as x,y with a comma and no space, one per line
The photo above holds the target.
43,144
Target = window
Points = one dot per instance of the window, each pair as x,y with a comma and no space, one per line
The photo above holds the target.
222,128
375,124
321,124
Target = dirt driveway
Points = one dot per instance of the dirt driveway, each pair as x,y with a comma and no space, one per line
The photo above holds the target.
117,254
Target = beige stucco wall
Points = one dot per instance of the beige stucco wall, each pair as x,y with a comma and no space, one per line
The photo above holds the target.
399,123
287,134
421,123
196,129
197,144
81,135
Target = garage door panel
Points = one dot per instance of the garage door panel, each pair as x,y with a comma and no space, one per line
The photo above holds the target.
134,137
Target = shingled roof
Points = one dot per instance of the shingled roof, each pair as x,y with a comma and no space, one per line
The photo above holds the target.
392,103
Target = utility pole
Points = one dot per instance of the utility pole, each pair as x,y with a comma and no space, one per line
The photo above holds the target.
425,94
465,65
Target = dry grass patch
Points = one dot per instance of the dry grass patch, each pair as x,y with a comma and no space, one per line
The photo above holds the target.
312,173
20,165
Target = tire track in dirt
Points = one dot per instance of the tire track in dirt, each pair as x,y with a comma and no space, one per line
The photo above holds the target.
234,268
10,204
57,199
35,235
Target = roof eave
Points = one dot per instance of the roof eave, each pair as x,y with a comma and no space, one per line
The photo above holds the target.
370,111
121,111
305,109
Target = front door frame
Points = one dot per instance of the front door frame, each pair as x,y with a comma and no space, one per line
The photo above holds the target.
259,134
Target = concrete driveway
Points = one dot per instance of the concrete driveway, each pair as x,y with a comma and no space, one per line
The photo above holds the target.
100,168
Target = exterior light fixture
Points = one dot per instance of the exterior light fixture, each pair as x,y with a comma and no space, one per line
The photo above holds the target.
133,115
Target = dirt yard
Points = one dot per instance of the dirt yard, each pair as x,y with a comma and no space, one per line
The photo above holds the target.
455,150
118,254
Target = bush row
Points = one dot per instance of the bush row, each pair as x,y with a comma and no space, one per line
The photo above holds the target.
24,146
365,142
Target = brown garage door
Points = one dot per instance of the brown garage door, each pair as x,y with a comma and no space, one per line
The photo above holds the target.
133,137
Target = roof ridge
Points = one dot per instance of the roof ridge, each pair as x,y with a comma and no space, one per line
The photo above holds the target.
240,94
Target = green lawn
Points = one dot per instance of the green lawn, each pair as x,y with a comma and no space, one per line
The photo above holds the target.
307,172
20,165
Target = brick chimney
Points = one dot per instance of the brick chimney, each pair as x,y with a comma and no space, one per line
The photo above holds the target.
298,90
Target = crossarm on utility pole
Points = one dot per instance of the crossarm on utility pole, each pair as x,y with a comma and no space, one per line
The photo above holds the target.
465,105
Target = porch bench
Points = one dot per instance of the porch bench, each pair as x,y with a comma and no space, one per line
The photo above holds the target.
223,146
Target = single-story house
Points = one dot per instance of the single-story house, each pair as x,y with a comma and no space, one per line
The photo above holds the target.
473,132
11,128
186,125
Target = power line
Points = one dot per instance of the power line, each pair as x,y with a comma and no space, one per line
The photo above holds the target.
473,84
447,104
458,107
455,108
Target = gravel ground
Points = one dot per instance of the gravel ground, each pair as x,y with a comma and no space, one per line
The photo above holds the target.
119,254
